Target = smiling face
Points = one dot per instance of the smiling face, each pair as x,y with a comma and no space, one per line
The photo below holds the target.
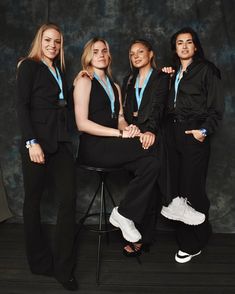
140,56
51,44
101,56
185,48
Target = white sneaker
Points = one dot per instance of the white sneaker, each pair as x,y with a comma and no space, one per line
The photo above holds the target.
183,257
129,231
180,210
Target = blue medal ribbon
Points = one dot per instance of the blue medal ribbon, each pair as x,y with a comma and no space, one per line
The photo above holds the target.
58,79
177,81
108,89
139,95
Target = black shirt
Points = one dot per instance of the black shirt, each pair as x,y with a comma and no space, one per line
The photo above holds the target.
199,95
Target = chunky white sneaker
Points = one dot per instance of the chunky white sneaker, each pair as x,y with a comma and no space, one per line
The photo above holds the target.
129,231
180,210
183,257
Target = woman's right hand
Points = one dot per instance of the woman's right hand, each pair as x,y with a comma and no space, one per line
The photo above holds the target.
36,154
131,131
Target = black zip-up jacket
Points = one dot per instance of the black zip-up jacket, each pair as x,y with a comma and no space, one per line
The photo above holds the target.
199,95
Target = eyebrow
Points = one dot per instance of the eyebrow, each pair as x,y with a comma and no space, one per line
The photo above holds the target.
96,49
138,49
51,38
185,40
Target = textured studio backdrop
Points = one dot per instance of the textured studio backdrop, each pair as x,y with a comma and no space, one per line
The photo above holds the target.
119,21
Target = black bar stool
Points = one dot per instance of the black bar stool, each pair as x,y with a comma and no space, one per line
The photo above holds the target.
102,197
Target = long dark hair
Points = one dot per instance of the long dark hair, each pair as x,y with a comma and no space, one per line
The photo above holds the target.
199,53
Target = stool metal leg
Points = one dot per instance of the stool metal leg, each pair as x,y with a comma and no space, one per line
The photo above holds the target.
105,211
110,195
102,188
82,220
100,232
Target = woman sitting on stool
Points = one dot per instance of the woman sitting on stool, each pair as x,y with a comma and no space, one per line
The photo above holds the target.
108,141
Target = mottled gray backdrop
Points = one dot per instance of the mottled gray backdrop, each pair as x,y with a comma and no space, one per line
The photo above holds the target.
119,21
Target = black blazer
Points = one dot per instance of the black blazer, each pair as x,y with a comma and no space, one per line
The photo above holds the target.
39,114
154,99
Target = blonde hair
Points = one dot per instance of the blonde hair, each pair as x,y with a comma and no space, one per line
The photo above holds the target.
35,51
87,55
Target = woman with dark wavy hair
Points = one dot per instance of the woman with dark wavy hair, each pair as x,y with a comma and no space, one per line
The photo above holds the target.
194,111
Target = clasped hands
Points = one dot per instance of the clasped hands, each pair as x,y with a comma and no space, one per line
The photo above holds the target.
147,139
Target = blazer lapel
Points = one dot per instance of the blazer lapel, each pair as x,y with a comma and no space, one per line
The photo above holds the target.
145,99
50,76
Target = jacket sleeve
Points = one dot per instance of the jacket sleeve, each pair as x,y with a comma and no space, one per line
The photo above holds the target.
160,92
25,80
215,100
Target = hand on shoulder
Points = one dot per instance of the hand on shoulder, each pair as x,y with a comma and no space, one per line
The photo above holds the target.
83,74
168,70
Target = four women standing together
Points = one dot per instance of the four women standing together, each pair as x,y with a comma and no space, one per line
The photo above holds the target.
124,133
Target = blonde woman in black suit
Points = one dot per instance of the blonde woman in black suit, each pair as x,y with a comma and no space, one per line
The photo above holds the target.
46,154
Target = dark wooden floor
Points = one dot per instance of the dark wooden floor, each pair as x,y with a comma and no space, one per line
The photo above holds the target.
213,272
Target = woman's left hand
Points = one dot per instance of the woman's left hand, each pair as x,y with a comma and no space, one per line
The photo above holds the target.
197,134
169,70
147,139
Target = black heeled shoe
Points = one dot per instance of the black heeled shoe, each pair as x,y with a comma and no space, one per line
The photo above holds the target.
135,250
71,284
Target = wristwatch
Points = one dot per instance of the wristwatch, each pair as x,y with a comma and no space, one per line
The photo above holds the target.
29,143
204,132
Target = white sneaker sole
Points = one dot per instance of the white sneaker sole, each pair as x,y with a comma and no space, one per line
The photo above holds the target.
186,258
177,218
125,236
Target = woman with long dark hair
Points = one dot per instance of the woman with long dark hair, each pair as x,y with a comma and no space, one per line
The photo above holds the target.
194,111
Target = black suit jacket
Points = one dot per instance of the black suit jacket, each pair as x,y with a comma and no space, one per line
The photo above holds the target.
40,116
154,99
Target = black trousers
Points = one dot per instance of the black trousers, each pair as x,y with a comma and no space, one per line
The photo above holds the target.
59,171
138,202
188,163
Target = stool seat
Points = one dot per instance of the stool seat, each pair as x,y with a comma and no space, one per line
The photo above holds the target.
101,195
99,169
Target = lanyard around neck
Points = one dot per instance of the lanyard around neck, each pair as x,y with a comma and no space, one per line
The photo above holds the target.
108,89
58,78
139,95
177,81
